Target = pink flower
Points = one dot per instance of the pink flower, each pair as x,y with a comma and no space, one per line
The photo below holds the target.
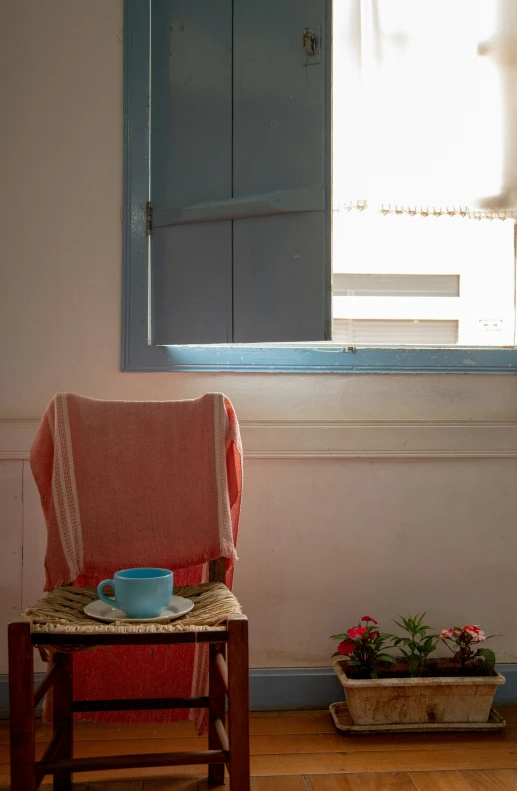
448,633
357,631
476,634
346,647
368,618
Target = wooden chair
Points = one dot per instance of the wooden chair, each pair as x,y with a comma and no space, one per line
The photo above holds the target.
228,677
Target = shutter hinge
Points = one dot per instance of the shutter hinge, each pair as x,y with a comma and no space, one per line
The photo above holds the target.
149,218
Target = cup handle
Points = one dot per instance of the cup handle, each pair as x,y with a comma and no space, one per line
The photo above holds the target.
112,602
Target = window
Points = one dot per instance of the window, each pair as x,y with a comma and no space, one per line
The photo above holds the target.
230,219
423,180
449,279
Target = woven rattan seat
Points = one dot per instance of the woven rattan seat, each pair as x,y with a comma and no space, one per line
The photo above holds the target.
61,612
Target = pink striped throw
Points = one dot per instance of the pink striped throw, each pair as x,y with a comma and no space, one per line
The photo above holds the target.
132,483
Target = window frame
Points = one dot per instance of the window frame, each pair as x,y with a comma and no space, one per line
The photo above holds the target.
319,357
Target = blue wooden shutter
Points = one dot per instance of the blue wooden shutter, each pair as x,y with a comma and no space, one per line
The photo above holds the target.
239,162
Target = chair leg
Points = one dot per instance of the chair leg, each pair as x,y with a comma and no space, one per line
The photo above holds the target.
21,702
62,716
216,711
238,703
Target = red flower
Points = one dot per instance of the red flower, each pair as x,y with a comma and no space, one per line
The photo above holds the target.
474,633
346,647
374,635
357,631
369,618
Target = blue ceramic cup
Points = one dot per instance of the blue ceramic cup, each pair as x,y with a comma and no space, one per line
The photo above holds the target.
140,593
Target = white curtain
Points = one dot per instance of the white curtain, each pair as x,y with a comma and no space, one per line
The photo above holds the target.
425,106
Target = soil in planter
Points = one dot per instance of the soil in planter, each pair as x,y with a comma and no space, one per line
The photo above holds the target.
434,670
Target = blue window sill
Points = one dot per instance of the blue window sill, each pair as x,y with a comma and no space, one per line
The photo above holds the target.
321,358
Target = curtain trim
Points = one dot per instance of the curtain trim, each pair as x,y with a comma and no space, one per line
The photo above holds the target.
425,211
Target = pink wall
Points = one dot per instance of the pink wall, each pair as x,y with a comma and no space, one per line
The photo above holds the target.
361,492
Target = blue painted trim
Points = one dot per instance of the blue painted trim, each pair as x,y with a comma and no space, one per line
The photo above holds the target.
4,695
332,359
297,689
506,695
139,355
294,689
135,347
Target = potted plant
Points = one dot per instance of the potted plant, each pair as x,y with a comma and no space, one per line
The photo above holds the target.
384,689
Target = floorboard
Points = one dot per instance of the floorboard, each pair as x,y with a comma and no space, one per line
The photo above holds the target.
296,783
333,783
300,751
395,781
440,781
502,780
399,761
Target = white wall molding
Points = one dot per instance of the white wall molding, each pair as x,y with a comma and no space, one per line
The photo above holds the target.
380,439
343,439
16,438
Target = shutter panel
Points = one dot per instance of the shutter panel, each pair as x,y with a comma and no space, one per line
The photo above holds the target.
238,176
280,281
191,161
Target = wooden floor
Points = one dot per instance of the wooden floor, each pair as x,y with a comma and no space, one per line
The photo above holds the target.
302,751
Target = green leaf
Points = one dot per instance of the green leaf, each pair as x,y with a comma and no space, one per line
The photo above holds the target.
489,658
387,658
339,636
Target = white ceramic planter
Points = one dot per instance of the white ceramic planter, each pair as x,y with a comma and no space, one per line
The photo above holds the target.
390,701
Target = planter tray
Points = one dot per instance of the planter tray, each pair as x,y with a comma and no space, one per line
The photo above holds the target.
344,723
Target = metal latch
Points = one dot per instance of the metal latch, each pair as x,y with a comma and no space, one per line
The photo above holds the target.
311,45
309,41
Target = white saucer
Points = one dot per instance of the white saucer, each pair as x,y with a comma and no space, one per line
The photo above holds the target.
103,612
